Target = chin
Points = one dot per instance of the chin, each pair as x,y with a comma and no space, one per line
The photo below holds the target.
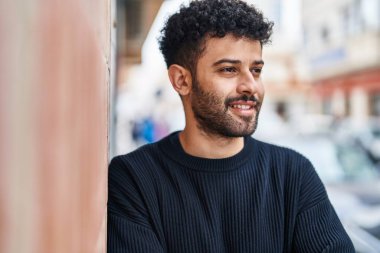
233,133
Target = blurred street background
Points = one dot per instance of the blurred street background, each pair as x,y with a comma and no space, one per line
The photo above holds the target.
322,81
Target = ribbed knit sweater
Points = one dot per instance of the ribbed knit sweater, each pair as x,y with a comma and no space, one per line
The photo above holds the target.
265,199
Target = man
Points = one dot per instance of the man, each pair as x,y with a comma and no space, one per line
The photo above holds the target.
211,187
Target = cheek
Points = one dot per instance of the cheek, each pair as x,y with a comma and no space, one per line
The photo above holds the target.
260,90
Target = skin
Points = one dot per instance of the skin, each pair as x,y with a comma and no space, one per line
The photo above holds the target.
217,111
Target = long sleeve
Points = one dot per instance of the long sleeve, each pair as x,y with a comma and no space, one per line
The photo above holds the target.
129,229
318,228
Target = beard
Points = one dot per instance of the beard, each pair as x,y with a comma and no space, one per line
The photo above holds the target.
213,117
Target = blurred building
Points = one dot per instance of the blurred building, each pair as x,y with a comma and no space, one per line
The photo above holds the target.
342,44
56,61
134,19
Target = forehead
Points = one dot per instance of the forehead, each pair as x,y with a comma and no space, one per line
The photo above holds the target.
231,47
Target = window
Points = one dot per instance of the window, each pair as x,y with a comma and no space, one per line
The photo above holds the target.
345,14
375,104
326,106
325,35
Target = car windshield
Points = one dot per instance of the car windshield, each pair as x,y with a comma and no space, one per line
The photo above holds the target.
376,132
355,163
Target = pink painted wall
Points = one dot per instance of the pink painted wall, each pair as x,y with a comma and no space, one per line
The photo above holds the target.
54,86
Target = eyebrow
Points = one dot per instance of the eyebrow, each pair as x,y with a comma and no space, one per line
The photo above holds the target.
224,60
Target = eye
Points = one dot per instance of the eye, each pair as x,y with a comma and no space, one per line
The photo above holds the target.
228,69
256,71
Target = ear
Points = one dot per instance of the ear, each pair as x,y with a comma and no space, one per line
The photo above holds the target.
180,79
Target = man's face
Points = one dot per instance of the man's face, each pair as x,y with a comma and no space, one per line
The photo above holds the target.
227,90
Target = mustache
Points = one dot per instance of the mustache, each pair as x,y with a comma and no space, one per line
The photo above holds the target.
242,98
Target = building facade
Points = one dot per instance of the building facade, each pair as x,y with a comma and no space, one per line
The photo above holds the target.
342,45
56,75
134,19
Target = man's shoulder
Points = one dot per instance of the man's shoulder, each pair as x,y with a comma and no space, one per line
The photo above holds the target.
134,168
144,150
279,151
284,159
294,166
141,154
141,160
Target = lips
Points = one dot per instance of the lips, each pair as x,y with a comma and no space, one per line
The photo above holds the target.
242,105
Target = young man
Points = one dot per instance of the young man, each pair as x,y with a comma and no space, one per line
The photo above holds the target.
211,187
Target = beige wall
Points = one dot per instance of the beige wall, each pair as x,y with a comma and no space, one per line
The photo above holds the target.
54,86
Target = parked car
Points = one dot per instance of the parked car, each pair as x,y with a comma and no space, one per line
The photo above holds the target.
370,140
366,136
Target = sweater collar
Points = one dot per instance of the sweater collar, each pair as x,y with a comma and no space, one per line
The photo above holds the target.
172,148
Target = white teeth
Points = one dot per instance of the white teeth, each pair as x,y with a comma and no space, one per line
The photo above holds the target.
243,107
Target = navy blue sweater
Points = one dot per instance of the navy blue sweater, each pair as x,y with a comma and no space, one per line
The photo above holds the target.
263,199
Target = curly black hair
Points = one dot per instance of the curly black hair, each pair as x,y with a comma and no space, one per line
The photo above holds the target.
183,36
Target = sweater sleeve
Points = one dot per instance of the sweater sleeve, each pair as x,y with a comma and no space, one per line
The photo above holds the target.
129,228
318,228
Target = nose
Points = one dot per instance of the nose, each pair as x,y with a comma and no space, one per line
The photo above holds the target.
247,83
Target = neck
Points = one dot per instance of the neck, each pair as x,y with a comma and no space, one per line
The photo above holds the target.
201,144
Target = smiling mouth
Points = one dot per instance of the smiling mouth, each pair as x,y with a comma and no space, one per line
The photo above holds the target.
243,102
242,107
245,110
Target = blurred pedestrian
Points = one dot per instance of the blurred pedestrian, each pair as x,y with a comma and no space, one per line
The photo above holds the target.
212,187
